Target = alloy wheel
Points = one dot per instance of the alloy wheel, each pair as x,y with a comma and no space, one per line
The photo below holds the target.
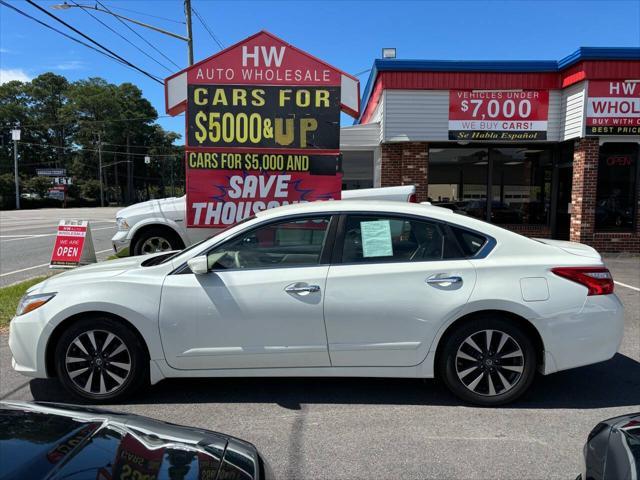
155,245
489,362
98,362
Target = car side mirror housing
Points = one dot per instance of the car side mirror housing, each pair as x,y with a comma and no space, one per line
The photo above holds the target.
198,265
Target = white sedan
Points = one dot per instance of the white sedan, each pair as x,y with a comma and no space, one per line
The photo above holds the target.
342,288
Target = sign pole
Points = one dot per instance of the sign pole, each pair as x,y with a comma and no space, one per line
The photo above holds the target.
15,135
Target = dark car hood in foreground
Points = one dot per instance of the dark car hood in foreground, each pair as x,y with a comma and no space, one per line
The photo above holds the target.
612,451
47,440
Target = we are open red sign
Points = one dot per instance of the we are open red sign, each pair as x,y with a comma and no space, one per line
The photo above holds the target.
73,245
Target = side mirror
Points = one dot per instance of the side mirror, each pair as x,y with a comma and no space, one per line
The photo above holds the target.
198,265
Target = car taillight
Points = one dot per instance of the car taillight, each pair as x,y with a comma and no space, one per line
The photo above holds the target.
598,280
412,198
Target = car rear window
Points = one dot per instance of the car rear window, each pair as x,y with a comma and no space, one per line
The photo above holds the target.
470,242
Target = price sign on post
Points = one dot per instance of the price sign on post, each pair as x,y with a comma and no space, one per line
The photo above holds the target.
262,129
508,115
73,246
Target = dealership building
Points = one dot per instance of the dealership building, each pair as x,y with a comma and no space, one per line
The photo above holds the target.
544,148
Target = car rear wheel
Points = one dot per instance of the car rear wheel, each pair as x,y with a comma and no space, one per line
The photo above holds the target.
155,240
100,360
488,361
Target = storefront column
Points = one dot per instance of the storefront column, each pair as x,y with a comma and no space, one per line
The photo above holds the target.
405,164
583,192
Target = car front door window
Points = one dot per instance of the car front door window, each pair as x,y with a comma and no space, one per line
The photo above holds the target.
295,242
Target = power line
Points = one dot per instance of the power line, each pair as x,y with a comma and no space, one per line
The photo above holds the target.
121,36
114,120
34,4
140,36
83,149
206,27
60,32
145,14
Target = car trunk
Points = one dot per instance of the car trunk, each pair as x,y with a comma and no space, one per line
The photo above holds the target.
573,248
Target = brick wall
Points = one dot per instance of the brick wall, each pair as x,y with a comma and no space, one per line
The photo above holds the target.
536,231
583,208
406,164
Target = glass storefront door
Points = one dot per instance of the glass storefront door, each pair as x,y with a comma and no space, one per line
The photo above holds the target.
506,185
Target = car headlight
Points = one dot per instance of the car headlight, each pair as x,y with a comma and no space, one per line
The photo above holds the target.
121,224
28,303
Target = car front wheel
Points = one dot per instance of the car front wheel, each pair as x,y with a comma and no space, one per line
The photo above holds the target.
100,360
488,361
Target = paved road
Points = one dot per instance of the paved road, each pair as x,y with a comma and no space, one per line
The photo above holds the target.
381,428
27,237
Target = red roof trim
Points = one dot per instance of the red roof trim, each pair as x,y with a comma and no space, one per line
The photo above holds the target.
417,80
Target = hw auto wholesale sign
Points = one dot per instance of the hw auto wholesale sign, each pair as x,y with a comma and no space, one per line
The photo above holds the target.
613,108
262,129
509,115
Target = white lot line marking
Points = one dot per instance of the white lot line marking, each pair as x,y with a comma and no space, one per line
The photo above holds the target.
4,229
28,237
46,220
627,286
44,265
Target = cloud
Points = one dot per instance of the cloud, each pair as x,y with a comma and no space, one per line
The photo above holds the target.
9,74
5,50
70,65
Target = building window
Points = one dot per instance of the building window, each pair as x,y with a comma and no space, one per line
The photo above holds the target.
518,179
458,179
617,187
357,168
521,186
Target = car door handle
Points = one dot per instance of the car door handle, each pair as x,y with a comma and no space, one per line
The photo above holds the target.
440,280
302,288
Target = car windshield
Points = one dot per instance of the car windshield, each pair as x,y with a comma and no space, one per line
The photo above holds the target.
197,244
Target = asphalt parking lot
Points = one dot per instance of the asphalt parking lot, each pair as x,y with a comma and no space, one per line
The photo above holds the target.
27,238
381,428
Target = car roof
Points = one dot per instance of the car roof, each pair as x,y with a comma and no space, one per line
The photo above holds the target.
385,206
333,206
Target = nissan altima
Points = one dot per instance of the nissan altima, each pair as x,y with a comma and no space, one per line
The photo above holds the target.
342,288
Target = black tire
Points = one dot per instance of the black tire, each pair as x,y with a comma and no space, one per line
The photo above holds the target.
501,382
104,366
167,240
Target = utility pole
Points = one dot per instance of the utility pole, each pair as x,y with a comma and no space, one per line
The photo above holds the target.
187,16
173,191
100,169
15,136
129,198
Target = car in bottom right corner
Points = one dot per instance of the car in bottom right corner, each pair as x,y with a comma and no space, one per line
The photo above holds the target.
612,451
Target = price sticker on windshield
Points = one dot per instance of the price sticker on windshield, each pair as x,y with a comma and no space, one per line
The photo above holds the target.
508,115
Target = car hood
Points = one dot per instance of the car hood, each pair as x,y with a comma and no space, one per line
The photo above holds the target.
162,206
105,269
141,208
573,248
150,442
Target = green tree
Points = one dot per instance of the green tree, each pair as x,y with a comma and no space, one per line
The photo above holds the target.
64,124
39,185
52,126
